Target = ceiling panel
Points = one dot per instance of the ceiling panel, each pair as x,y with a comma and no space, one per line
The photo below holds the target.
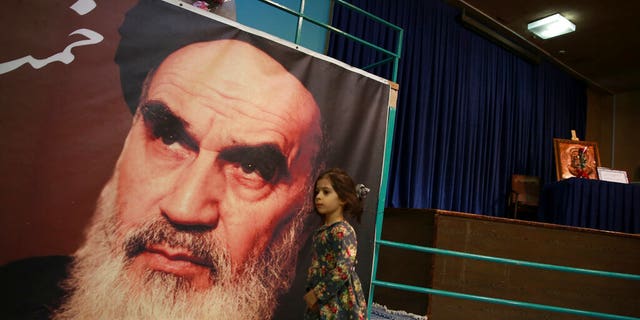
604,50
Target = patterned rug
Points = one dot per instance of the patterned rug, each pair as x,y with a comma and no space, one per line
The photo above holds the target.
380,312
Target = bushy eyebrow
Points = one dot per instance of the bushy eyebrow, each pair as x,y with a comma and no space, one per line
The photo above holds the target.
267,159
161,122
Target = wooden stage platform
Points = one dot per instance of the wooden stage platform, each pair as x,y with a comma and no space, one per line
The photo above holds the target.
511,239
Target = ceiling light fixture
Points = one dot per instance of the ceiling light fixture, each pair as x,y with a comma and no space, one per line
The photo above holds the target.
551,26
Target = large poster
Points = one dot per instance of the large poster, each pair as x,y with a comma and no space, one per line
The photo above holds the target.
144,136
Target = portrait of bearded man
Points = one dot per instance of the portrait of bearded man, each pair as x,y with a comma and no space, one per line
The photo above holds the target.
202,215
205,210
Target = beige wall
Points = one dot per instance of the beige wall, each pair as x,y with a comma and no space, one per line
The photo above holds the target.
614,123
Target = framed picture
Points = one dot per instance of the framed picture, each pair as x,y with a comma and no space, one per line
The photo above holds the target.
612,175
576,159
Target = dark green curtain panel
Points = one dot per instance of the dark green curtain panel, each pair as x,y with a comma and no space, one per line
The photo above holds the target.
470,113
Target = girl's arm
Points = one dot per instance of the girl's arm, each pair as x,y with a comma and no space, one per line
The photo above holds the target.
343,244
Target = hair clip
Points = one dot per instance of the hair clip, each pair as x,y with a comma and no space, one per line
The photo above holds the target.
362,190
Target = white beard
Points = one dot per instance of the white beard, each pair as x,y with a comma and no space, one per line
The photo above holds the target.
102,287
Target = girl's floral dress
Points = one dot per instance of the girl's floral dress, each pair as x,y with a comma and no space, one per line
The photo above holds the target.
332,274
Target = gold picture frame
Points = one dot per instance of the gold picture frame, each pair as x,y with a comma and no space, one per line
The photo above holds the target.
568,155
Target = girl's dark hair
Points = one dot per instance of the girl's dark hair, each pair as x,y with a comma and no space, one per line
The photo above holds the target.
346,190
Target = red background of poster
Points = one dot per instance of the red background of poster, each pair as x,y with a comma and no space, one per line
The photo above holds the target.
58,150
63,126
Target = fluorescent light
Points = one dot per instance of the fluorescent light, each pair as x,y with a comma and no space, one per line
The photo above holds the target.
551,26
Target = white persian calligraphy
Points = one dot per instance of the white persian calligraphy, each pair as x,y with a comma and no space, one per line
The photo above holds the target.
81,7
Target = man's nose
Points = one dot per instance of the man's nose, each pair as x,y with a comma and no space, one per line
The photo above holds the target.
193,200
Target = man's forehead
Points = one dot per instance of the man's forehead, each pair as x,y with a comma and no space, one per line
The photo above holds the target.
234,75
236,70
227,55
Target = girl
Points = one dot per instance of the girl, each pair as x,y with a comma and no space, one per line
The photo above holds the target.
334,290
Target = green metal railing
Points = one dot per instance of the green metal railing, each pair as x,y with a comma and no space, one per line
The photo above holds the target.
510,261
513,303
394,56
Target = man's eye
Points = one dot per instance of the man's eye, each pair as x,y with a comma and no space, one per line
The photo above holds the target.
166,136
264,162
264,170
162,124
248,168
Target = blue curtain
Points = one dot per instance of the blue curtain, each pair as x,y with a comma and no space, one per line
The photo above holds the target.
470,113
